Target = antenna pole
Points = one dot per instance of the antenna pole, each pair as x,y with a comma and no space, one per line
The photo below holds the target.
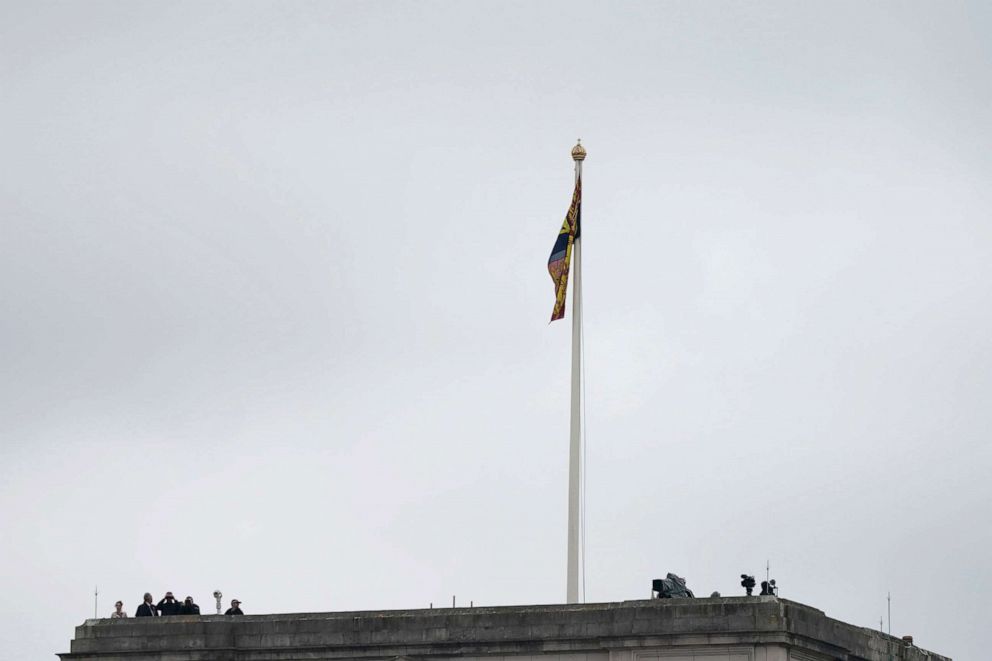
96,600
889,599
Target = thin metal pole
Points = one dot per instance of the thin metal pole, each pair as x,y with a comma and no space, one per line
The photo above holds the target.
575,426
889,599
96,600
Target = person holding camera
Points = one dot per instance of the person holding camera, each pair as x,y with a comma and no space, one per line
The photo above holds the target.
168,605
189,607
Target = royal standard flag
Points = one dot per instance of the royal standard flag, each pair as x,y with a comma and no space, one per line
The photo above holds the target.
561,254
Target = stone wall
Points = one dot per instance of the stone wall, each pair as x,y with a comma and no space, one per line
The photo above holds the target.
717,629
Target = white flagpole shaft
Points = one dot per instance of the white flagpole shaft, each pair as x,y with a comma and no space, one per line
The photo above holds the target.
575,439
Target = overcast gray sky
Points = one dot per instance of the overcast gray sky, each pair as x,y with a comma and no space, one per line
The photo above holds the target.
274,303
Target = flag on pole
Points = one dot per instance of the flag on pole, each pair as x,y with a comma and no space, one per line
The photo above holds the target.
561,254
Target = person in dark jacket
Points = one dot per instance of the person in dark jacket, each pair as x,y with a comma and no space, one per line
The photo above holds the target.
189,608
235,608
147,607
168,605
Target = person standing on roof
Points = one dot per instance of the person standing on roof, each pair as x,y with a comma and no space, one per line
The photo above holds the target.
168,605
147,607
189,607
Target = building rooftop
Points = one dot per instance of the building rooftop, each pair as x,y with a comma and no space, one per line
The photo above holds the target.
733,628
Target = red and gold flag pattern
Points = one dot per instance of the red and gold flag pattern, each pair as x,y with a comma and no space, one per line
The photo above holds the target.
561,254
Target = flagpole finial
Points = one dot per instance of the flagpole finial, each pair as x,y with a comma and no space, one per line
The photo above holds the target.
578,151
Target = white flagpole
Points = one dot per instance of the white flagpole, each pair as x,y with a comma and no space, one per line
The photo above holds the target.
575,439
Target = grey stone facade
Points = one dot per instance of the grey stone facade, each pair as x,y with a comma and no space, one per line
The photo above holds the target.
716,629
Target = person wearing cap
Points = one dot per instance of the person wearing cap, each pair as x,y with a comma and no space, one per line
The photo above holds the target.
235,608
189,607
119,612
147,607
168,605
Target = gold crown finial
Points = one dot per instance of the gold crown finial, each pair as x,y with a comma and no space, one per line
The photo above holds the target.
578,151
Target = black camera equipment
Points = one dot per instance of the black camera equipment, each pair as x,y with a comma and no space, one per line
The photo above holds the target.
671,587
747,582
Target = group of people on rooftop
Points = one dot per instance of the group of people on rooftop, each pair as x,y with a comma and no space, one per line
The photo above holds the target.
169,606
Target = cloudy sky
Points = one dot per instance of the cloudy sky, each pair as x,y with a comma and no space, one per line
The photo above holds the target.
274,303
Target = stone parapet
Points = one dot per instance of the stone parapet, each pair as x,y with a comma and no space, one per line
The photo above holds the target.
731,628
